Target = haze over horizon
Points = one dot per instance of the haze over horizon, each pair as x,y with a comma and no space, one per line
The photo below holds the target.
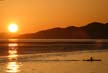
35,15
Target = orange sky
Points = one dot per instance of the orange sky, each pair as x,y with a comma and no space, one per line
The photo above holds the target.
35,15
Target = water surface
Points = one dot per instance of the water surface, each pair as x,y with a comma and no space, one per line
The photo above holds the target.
53,56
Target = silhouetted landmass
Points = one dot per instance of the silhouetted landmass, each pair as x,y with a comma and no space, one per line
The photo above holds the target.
60,33
97,30
93,30
6,35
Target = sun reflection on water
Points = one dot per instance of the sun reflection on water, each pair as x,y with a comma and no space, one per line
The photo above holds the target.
12,51
12,66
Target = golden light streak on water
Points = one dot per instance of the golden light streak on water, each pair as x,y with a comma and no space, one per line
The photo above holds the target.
12,66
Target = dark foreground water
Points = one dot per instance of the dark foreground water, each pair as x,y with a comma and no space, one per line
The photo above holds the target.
53,56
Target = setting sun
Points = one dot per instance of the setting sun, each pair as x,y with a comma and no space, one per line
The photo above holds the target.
13,28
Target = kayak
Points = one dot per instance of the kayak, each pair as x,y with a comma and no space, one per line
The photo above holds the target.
92,60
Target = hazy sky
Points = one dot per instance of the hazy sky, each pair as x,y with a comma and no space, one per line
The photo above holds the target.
35,15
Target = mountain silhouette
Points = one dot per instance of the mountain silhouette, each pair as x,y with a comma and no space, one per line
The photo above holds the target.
94,30
97,30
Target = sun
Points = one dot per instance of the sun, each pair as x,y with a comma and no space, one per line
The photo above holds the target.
13,28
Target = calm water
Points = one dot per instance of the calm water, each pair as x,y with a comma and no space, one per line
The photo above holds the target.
53,56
